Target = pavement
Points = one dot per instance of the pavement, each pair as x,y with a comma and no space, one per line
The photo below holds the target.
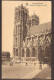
31,75
17,71
21,71
43,73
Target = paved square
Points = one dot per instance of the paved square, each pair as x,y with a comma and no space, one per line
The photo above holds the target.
21,71
16,71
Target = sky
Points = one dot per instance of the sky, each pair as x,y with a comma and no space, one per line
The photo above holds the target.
8,14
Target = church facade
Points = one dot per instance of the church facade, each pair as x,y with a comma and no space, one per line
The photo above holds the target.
29,35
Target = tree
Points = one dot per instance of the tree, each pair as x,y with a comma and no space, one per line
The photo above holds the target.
41,54
48,54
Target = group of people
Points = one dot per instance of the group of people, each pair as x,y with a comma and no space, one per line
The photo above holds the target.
40,66
27,64
11,64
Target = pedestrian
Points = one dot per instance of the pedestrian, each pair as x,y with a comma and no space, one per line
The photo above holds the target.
11,63
26,63
34,64
40,65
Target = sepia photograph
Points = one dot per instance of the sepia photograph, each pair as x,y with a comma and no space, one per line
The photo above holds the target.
26,39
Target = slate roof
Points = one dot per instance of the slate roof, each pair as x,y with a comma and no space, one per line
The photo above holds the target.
41,28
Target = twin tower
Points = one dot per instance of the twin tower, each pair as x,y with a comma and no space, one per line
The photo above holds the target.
22,24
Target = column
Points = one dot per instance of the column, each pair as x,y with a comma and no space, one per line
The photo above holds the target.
19,53
24,54
13,52
31,53
37,49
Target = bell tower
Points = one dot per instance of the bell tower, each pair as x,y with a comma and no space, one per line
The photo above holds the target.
20,29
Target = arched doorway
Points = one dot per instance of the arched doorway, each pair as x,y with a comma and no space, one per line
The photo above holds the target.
33,52
16,52
27,52
22,52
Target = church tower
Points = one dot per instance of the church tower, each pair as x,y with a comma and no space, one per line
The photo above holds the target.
20,29
34,20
